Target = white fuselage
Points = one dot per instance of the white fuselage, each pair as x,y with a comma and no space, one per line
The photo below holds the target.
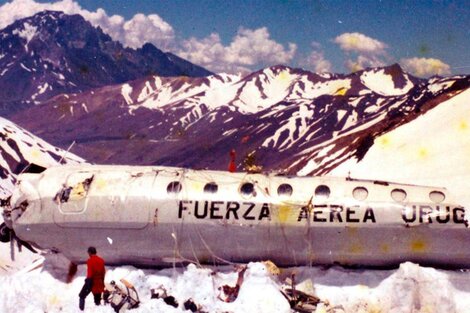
154,216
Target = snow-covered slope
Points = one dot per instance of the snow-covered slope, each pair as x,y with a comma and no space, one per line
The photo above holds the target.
22,151
434,149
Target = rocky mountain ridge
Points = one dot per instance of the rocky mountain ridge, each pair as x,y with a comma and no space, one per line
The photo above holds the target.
279,118
52,53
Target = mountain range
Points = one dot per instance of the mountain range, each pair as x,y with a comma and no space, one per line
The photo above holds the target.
52,53
281,119
278,118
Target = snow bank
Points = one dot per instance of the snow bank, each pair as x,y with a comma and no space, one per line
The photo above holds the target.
44,289
410,288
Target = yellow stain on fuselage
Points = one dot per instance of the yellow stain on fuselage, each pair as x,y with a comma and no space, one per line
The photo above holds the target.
384,248
373,308
356,249
284,212
418,246
100,184
198,186
78,192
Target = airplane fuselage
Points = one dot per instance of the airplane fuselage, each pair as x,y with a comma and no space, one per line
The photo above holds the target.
155,216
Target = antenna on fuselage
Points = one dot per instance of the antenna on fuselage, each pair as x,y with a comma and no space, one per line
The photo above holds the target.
67,151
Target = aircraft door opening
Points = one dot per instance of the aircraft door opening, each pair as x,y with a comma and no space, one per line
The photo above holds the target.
104,200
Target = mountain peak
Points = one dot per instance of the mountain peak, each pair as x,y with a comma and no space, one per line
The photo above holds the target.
389,80
51,53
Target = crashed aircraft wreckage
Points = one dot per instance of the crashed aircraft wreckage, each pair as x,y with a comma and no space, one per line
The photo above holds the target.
156,216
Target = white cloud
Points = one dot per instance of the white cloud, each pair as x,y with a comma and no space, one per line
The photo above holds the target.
425,67
248,48
151,28
133,33
364,61
362,51
357,42
316,60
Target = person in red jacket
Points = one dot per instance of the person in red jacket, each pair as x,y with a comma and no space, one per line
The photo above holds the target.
94,281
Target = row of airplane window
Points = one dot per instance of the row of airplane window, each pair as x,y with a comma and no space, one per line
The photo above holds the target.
322,191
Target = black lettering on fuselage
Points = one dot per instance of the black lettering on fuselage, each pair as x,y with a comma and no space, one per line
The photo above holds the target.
247,215
233,207
215,209
264,212
335,210
405,217
197,214
425,213
317,213
446,218
182,208
303,214
369,215
349,213
459,218
323,213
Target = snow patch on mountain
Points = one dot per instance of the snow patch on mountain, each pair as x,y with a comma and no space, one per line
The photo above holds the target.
216,97
332,87
294,129
27,33
438,86
263,90
382,83
126,91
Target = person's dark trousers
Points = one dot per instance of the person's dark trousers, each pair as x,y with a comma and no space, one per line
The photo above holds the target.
86,289
97,298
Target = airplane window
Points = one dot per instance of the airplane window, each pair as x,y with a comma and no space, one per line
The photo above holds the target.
436,196
284,190
211,188
247,189
360,193
398,195
174,187
322,191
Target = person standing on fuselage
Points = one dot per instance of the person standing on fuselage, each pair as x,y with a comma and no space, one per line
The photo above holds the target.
94,281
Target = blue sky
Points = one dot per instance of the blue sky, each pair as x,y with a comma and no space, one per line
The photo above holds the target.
425,37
